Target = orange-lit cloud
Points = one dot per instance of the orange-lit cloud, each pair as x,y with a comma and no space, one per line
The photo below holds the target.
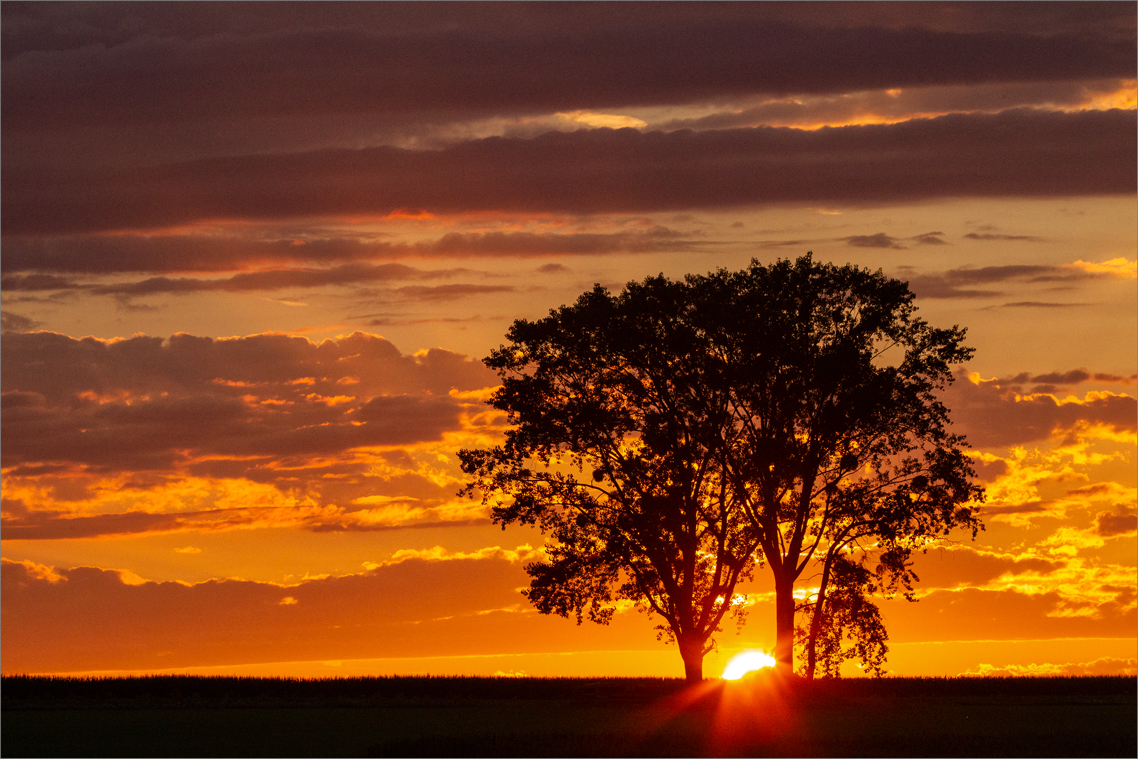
1119,267
413,605
1107,665
893,105
993,414
138,435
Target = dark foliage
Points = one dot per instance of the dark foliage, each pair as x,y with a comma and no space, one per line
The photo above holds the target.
671,437
616,451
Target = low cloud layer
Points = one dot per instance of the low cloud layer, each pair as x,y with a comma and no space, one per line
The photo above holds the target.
418,604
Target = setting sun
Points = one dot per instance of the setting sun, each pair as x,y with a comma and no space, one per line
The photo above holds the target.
746,661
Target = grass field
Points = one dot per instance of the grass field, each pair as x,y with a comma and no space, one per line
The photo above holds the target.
412,716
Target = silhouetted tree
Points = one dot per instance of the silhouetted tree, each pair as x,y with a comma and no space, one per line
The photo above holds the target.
785,412
614,451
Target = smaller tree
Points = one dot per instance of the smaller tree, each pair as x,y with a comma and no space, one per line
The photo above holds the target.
842,446
840,623
883,513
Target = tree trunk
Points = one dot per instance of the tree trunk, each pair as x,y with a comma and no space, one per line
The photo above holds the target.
816,620
812,648
692,652
784,623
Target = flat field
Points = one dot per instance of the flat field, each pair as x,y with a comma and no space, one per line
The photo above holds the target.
459,716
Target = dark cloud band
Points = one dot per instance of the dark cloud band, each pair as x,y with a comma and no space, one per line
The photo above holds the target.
1014,153
639,56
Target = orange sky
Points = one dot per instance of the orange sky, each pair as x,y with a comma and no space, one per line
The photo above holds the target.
243,316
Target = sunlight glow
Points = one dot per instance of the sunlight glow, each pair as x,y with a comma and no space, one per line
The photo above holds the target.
746,661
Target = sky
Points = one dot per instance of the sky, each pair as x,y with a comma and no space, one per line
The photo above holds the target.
253,255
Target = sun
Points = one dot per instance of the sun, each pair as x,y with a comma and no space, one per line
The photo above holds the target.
746,661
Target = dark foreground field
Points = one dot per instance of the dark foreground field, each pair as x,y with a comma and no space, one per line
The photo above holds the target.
406,716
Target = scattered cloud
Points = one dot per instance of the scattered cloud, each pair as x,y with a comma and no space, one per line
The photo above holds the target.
930,238
1118,267
963,282
1071,377
1107,665
12,322
1110,525
989,236
879,240
1042,304
993,413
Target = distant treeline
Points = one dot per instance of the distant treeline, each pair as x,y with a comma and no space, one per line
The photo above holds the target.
37,692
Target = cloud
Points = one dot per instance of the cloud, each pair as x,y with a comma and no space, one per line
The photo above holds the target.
12,322
1041,304
894,104
113,68
994,236
959,566
144,435
1071,377
272,280
882,240
1013,153
962,283
879,240
35,282
1119,267
147,404
214,251
450,292
421,605
992,414
1110,525
930,238
1107,665
291,512
61,367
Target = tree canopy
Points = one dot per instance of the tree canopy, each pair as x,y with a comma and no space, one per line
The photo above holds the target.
672,437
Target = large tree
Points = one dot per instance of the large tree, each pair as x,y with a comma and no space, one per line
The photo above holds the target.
614,452
669,438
